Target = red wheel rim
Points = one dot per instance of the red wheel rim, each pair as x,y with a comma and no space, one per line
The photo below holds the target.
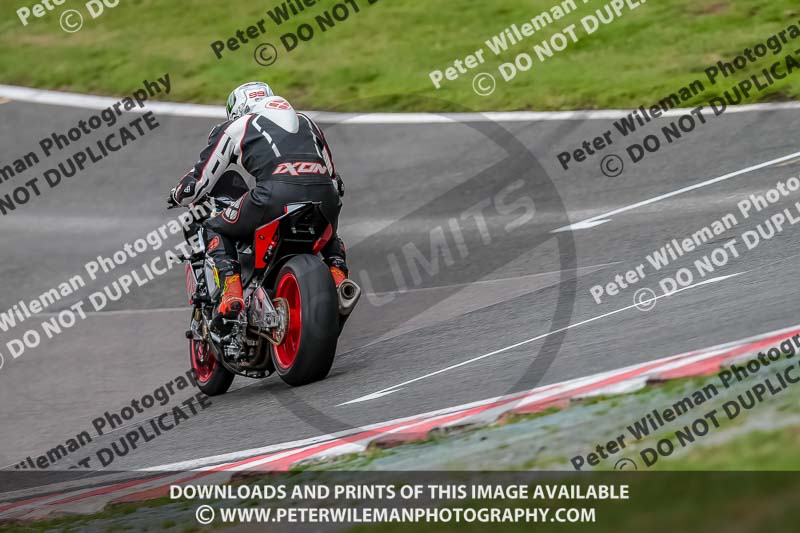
203,361
286,352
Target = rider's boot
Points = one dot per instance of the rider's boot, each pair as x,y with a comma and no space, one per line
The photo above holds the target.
338,268
335,256
232,301
231,304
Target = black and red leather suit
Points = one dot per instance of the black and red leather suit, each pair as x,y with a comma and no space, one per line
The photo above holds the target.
285,157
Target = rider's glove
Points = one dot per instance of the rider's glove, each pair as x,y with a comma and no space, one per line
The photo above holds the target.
184,190
172,201
339,184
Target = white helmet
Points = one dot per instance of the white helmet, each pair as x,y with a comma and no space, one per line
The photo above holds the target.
244,98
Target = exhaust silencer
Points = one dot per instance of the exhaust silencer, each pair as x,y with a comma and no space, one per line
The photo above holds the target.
349,293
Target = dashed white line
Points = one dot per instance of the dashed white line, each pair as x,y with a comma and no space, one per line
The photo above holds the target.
606,217
399,386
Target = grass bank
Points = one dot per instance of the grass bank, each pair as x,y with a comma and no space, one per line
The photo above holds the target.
380,57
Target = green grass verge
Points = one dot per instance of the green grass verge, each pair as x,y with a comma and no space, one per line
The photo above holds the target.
380,57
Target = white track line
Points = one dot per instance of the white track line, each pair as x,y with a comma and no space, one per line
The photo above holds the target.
41,96
395,388
88,101
605,217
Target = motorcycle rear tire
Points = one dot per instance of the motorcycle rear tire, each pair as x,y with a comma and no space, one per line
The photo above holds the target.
309,345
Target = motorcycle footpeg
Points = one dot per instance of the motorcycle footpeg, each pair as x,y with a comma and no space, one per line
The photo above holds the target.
192,336
217,325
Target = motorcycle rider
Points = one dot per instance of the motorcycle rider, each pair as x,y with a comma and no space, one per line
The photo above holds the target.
287,155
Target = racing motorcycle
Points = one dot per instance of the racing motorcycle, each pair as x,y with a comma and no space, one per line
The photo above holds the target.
293,315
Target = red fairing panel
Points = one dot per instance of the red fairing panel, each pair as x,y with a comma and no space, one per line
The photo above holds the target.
264,237
322,241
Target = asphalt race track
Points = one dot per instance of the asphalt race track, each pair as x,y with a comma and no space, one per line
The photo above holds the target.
508,279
